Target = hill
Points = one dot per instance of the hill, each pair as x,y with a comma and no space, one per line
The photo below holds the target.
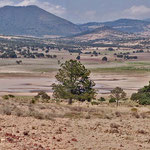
124,25
102,33
33,21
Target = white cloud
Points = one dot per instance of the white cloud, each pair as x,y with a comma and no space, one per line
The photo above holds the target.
140,11
55,9
134,12
6,2
27,2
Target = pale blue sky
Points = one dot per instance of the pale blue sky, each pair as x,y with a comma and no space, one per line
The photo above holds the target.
80,11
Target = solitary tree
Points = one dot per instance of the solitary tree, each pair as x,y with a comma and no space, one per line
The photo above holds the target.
118,94
78,57
104,59
74,82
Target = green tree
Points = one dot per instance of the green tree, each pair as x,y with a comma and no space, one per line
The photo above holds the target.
118,94
142,96
74,82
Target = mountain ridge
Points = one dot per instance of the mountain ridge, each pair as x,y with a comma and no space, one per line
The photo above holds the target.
124,25
33,21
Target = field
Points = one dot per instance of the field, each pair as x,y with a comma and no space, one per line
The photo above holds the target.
26,124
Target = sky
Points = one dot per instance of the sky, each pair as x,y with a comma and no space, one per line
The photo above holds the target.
82,11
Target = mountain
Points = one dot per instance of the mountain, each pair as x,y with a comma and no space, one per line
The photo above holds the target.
102,33
148,20
33,21
124,25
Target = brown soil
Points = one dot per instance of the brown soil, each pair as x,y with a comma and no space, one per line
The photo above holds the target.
76,127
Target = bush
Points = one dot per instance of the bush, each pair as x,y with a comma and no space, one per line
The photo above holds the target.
102,99
41,96
112,100
6,97
95,103
142,97
138,96
11,96
144,101
33,101
7,110
134,110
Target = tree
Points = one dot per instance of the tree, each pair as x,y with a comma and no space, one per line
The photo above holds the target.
78,57
104,59
74,82
118,94
142,96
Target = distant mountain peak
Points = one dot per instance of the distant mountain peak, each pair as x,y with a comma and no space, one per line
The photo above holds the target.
33,21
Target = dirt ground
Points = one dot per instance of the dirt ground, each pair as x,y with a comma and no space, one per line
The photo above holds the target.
81,126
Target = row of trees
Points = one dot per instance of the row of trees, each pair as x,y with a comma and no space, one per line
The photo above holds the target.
74,83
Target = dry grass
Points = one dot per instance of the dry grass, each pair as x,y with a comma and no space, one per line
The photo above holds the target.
78,110
78,126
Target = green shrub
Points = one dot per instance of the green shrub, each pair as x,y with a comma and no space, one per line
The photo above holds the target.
144,101
36,97
42,96
6,97
95,103
138,96
33,101
112,100
141,98
102,99
11,96
143,95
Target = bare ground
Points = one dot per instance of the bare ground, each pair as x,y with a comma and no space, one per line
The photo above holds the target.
78,127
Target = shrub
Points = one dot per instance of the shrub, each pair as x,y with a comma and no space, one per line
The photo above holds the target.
33,101
95,103
11,96
41,96
145,101
143,96
138,96
134,110
112,100
6,97
7,110
102,99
